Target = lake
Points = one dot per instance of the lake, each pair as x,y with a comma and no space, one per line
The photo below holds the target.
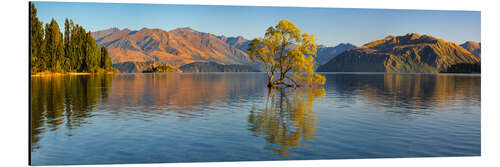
205,117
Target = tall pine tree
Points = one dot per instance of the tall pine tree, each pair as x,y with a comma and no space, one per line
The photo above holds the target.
105,59
36,41
54,47
67,49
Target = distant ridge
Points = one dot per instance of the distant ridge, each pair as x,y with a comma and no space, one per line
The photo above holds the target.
215,67
325,54
409,53
176,47
184,45
473,47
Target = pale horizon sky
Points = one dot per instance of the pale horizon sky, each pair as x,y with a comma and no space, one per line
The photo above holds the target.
331,26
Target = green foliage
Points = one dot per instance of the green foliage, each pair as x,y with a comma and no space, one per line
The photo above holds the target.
36,41
216,67
92,54
287,54
105,59
74,51
54,51
76,48
67,51
160,68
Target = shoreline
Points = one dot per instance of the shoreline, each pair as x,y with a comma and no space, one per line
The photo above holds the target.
51,74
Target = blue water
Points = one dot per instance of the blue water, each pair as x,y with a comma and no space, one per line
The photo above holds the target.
205,117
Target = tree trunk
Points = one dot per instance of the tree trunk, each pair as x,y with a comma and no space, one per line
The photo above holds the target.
272,83
269,80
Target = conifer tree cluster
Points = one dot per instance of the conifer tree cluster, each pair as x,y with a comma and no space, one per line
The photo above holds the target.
74,51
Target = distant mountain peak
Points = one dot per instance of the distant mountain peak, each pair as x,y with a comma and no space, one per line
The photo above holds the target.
345,44
114,29
103,33
413,35
472,43
239,37
338,45
150,30
410,38
183,29
473,47
325,53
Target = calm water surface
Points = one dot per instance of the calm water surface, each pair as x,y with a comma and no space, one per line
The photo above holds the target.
148,118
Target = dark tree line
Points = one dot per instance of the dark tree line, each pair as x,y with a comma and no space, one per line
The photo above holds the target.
74,51
464,68
160,68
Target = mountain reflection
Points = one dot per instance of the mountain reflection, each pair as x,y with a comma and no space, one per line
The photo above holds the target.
185,95
286,122
64,101
406,93
286,119
420,92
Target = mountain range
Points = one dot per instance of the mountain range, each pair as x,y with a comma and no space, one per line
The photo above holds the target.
130,51
409,53
184,45
177,47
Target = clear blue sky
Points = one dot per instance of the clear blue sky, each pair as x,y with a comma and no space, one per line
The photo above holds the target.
330,26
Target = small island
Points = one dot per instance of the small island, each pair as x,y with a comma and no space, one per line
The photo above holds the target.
161,68
216,67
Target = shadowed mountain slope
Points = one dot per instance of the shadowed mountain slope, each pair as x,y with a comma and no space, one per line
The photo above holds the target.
325,54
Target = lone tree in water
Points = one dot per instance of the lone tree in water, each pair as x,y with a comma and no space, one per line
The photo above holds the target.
287,55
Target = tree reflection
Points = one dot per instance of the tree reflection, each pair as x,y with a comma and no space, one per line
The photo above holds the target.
286,122
64,100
